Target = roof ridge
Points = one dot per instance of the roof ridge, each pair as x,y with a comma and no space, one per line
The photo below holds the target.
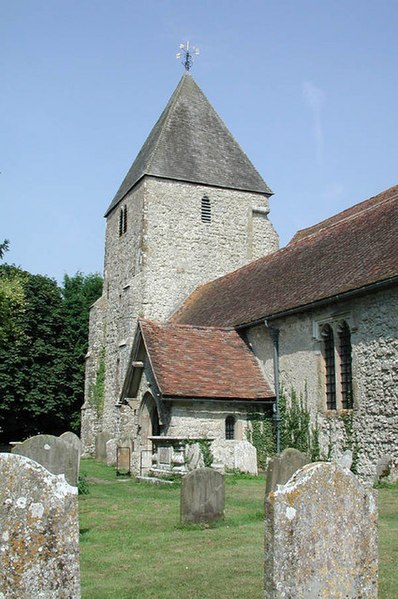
319,228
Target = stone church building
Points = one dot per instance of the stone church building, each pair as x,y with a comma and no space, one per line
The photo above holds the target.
201,311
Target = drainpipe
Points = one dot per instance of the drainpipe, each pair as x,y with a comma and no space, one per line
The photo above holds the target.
274,334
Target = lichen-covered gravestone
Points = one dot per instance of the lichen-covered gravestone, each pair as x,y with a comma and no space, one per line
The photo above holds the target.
57,455
281,468
39,532
321,536
100,445
202,496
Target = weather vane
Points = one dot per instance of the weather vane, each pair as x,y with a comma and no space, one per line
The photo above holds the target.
187,55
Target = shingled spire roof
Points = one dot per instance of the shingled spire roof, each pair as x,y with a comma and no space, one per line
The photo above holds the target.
191,143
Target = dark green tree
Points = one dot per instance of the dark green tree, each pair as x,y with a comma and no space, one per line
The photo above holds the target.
4,247
43,340
79,293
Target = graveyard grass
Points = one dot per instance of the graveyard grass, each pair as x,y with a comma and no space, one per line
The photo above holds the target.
133,546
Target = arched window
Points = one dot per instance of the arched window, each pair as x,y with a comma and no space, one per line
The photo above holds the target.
328,349
345,365
205,210
230,427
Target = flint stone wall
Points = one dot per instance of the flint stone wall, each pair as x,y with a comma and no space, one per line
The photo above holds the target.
281,468
39,532
321,536
165,241
57,455
374,339
202,496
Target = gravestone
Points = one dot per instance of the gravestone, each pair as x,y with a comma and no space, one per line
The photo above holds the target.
56,455
235,455
111,452
39,532
73,440
100,445
281,468
321,536
202,496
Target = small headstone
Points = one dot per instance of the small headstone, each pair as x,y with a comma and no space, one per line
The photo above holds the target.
123,460
56,455
111,452
281,468
345,461
235,455
321,536
383,466
100,445
39,532
202,496
193,457
73,440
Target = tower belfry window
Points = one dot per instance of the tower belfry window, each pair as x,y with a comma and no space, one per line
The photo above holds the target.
122,220
205,210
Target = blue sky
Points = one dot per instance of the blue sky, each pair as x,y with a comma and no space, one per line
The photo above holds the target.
308,88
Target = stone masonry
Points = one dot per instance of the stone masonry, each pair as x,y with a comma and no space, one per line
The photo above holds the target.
374,333
165,253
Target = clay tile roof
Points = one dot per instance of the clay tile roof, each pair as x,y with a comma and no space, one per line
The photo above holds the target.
350,251
203,362
191,143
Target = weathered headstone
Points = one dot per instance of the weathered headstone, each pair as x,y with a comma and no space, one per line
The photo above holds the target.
111,452
202,496
73,440
281,468
321,536
235,455
100,445
39,532
55,454
345,460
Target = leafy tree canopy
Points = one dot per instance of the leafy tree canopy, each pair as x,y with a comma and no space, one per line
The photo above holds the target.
43,341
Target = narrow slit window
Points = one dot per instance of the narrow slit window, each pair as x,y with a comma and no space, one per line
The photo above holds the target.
122,221
328,340
345,366
205,208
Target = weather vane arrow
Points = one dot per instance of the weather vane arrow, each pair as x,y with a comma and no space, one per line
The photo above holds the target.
187,54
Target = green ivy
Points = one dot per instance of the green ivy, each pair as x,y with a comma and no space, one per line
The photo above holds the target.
207,455
296,428
261,435
97,389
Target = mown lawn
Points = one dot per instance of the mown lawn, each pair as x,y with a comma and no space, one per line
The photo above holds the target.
133,546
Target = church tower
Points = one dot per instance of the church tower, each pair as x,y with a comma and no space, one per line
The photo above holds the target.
191,208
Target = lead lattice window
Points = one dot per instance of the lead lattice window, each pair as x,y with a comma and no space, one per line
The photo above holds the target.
337,358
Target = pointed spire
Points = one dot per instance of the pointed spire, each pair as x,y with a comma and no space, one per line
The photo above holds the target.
191,143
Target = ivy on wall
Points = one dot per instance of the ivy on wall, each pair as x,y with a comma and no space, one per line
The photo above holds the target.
97,389
260,433
296,428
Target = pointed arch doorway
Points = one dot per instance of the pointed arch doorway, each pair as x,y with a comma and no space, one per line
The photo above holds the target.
149,426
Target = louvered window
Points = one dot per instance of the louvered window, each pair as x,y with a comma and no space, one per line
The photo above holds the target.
205,210
345,366
328,340
122,221
230,427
